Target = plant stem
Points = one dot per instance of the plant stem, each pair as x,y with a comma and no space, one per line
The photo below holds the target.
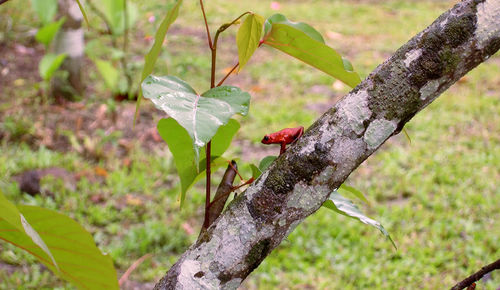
206,25
125,49
208,150
207,188
213,48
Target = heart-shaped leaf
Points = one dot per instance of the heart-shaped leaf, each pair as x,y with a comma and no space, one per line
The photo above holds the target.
344,206
200,115
184,156
248,37
58,242
306,44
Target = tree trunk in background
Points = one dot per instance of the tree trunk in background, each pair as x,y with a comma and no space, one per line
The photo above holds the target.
70,41
301,179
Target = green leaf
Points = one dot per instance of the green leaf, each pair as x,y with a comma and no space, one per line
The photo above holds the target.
255,171
306,44
45,9
304,27
83,12
46,34
113,11
108,72
178,141
49,64
13,219
266,161
154,52
353,191
248,37
344,206
54,238
201,115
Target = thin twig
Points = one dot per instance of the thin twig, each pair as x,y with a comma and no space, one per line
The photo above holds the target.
206,25
132,267
476,276
228,74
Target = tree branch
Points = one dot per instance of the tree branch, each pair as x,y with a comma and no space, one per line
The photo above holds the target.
301,179
476,276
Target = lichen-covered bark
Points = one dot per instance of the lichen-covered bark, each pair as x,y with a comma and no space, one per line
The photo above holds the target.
300,180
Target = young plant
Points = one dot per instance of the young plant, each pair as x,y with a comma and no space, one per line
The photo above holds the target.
203,121
117,16
50,62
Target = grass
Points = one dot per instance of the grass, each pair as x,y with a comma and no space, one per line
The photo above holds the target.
438,197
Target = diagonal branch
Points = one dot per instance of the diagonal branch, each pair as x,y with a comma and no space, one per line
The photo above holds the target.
476,276
300,180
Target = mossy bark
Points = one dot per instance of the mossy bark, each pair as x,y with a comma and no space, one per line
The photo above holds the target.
300,180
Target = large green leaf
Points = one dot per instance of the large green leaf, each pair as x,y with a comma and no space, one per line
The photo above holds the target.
306,44
45,9
344,206
12,221
154,52
49,64
58,242
45,34
200,115
108,72
178,139
248,37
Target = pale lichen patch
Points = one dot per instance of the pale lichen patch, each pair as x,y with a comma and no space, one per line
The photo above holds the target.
233,284
305,196
378,131
355,109
345,151
488,22
411,56
257,185
188,270
429,89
